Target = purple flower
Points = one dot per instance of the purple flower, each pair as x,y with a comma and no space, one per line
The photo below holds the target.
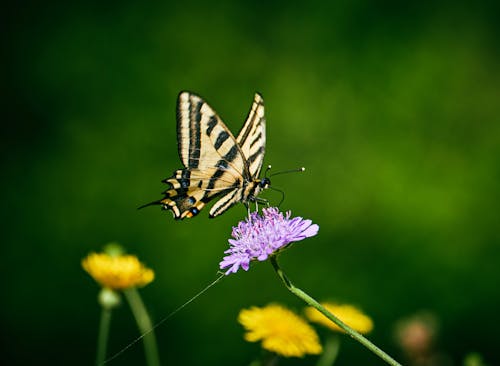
258,237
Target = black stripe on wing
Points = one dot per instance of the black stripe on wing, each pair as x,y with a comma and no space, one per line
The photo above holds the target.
194,132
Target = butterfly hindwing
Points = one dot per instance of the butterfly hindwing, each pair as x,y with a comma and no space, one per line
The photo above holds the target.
191,189
216,164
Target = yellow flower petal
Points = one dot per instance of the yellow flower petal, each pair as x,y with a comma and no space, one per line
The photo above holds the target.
280,330
349,314
117,272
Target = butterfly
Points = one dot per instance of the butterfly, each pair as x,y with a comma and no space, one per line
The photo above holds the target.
216,164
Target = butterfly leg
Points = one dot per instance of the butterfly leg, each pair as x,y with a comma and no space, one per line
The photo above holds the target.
258,200
262,201
248,208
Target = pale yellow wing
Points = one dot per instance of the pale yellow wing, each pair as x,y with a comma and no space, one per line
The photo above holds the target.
252,137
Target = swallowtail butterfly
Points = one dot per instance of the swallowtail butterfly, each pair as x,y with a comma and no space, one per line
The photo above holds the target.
216,164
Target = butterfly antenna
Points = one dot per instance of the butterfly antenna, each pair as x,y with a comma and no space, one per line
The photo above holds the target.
267,169
298,170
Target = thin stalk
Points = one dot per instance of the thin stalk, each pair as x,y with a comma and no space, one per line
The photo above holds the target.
102,337
145,326
312,302
330,351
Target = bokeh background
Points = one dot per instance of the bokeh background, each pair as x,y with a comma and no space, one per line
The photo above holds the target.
393,108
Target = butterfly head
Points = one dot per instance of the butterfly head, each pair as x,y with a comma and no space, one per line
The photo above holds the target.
264,183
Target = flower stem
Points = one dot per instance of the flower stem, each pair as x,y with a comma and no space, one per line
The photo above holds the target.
144,324
312,302
330,351
102,338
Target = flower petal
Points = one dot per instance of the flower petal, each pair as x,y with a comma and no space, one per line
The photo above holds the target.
260,236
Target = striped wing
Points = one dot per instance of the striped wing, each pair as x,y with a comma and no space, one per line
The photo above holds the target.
251,141
214,163
252,137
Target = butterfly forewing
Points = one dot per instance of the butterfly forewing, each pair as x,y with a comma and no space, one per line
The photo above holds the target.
204,140
252,137
251,140
216,164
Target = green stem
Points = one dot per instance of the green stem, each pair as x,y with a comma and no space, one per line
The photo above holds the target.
145,326
102,338
330,351
312,302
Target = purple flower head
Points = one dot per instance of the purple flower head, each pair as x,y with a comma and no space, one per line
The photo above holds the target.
258,237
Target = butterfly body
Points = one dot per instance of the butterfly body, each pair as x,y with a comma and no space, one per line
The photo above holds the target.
216,164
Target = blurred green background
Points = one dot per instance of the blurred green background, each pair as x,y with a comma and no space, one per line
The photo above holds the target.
393,108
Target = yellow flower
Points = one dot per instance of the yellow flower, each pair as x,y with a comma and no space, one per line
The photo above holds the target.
117,272
281,331
349,314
